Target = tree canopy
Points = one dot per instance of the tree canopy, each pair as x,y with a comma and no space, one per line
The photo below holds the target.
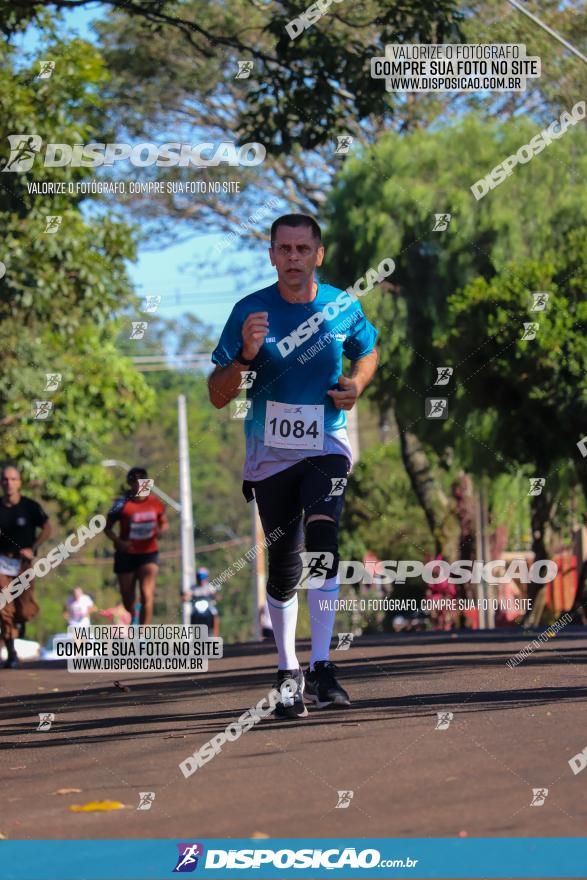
64,293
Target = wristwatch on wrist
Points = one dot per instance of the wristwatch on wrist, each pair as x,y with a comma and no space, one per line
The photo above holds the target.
242,360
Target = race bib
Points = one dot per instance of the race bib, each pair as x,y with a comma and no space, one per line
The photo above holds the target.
294,426
9,566
142,531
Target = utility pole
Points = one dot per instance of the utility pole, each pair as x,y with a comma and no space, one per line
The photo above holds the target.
188,555
485,591
353,431
490,590
479,542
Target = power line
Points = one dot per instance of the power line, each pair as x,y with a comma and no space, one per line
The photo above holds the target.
165,554
152,363
549,30
156,358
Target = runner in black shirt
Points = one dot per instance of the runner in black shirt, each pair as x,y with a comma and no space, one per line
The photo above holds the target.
20,518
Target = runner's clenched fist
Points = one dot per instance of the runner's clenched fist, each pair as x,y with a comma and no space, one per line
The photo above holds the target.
254,332
346,395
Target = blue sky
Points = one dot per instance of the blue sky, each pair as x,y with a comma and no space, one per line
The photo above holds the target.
170,272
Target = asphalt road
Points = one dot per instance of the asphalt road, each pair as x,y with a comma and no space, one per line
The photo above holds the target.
512,730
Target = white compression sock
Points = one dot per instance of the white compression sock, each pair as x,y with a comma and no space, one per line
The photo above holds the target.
284,616
322,618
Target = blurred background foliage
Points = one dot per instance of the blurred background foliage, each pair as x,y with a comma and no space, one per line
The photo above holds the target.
457,298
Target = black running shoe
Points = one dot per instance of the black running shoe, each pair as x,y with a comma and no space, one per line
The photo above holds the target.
291,704
12,663
323,688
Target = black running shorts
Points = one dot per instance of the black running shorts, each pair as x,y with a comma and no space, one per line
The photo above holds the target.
127,562
313,485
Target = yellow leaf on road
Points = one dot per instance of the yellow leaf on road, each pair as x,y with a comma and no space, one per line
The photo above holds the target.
96,807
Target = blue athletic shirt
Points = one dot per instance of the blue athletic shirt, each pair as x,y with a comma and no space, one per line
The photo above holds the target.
296,368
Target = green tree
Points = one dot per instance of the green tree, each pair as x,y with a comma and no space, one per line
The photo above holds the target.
61,292
384,205
381,514
562,81
524,395
175,63
216,453
299,96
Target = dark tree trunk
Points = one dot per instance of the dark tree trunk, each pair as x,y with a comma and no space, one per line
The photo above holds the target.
541,511
464,494
439,510
581,470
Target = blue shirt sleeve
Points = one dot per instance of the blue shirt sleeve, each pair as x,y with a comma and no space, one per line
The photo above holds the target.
230,340
361,338
116,509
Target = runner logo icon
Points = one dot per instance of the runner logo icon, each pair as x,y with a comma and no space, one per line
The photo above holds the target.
536,485
46,71
151,303
444,374
53,381
244,69
539,301
138,329
345,641
316,567
436,408
144,487
530,330
242,409
46,719
344,143
42,409
23,149
146,799
441,222
187,860
344,800
247,378
444,719
338,485
52,223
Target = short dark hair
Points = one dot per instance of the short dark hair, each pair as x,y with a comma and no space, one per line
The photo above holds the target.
136,472
10,464
296,220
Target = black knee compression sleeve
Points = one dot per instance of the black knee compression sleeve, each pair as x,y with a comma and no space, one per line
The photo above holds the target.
285,571
285,565
322,537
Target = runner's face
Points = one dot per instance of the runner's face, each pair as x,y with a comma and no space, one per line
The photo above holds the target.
295,253
11,482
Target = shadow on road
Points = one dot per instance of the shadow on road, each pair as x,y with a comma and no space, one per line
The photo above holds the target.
178,706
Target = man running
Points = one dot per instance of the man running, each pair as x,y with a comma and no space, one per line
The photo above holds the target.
20,518
142,519
288,340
